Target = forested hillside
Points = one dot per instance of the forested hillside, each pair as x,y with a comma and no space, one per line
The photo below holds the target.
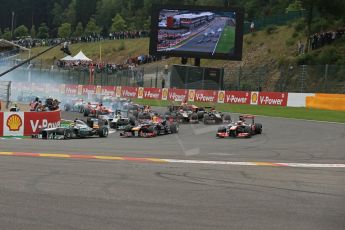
43,18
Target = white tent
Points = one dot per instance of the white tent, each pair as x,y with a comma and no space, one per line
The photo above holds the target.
68,58
81,57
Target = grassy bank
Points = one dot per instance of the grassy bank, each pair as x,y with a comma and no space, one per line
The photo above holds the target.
287,112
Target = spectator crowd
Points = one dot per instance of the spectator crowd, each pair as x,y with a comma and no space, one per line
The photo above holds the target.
34,42
109,68
318,40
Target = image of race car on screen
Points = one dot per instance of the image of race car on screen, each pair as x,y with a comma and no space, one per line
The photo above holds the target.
210,32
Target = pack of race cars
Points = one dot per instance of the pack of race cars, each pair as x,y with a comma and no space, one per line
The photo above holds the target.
134,120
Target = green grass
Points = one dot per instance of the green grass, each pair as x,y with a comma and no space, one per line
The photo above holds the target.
227,40
286,112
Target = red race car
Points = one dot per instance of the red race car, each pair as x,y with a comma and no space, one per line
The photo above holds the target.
240,128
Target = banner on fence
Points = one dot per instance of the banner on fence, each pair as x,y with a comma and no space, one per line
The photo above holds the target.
153,93
273,98
177,94
206,96
192,95
130,92
238,97
34,121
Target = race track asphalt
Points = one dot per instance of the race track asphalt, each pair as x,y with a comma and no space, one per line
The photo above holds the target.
49,193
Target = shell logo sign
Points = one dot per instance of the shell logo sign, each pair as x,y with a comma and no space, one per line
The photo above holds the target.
191,95
140,92
118,91
254,98
14,123
221,96
165,93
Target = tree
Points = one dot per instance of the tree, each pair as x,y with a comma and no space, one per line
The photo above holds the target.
57,14
79,30
295,6
119,24
21,31
70,13
65,30
33,31
92,28
43,31
7,34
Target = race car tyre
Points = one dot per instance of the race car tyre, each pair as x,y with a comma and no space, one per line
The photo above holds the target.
60,131
135,114
86,112
67,134
144,116
128,128
258,128
103,132
222,129
132,120
200,114
194,116
227,117
206,117
174,128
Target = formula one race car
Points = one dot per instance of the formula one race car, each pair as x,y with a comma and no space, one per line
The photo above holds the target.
240,128
212,116
76,105
76,129
151,128
118,120
185,114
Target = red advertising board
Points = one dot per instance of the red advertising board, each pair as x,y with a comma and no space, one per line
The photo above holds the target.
71,89
108,90
34,121
206,95
152,93
89,90
177,94
130,92
237,97
273,98
1,123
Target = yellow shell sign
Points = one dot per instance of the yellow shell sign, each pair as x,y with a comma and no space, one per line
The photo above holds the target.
165,94
221,96
191,95
140,92
14,123
254,97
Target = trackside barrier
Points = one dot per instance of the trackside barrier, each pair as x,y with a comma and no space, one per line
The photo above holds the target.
166,94
282,99
327,102
27,123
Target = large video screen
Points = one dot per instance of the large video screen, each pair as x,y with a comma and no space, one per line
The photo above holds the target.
197,31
